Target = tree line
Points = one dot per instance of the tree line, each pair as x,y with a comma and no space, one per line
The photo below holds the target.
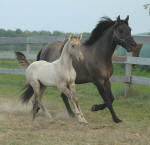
26,33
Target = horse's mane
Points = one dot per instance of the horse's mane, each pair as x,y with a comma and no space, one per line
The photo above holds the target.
100,28
98,31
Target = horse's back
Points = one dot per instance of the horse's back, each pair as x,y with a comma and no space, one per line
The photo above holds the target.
52,51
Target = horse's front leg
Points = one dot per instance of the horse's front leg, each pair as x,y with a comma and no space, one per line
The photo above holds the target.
105,91
98,107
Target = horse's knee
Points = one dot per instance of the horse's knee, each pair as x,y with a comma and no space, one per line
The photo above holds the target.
112,98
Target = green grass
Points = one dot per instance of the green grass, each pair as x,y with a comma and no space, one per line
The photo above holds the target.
18,129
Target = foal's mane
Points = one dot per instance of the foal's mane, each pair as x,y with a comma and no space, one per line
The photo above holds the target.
62,46
100,28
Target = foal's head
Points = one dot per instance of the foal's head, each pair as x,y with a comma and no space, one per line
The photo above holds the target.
122,34
74,46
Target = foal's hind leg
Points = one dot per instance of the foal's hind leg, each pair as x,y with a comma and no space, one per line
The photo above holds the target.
44,109
36,87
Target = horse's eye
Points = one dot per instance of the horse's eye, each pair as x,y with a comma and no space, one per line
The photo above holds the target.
73,45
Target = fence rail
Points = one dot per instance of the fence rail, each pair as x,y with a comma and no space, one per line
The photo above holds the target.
128,60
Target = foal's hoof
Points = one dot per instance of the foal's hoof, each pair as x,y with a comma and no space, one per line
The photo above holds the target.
117,120
84,123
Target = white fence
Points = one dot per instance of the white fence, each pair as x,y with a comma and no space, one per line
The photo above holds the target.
128,60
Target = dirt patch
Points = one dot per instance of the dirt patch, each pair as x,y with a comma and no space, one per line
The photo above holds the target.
16,127
13,106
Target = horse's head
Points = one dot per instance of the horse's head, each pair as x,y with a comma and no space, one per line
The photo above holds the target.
122,34
74,47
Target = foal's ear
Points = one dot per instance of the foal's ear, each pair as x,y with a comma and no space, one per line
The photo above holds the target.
80,36
70,36
127,19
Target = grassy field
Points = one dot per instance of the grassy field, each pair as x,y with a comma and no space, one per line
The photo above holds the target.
17,128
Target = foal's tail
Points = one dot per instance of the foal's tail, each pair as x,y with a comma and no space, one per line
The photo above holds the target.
27,94
22,60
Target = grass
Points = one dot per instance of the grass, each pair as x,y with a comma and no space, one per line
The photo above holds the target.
17,128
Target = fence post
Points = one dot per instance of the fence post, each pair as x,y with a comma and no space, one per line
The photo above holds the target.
128,73
28,48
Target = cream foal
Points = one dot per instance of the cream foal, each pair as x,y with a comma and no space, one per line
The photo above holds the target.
59,74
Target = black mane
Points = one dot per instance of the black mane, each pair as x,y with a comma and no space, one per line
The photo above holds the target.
98,31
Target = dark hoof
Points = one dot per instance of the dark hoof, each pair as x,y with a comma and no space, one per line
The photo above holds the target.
71,114
94,108
98,107
117,120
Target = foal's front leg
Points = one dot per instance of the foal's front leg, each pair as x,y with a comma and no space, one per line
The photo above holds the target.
73,98
76,105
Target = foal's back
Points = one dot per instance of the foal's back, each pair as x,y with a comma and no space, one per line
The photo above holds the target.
44,72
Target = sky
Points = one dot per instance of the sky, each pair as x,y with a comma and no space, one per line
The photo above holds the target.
75,16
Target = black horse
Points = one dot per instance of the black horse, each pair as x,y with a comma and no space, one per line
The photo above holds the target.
97,65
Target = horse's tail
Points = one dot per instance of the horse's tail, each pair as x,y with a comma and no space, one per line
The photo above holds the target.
38,56
27,94
22,59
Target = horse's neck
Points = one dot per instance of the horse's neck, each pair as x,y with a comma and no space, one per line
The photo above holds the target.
65,58
105,45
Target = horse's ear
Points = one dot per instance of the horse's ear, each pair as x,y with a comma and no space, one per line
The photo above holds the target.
127,19
118,19
80,36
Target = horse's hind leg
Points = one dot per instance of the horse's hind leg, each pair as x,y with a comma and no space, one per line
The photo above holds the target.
69,110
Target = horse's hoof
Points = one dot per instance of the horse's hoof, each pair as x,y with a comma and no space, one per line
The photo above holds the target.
95,108
117,120
98,107
72,115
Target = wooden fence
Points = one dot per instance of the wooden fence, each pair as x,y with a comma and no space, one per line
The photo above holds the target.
128,60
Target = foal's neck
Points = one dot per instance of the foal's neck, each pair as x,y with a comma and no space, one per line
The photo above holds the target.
66,58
